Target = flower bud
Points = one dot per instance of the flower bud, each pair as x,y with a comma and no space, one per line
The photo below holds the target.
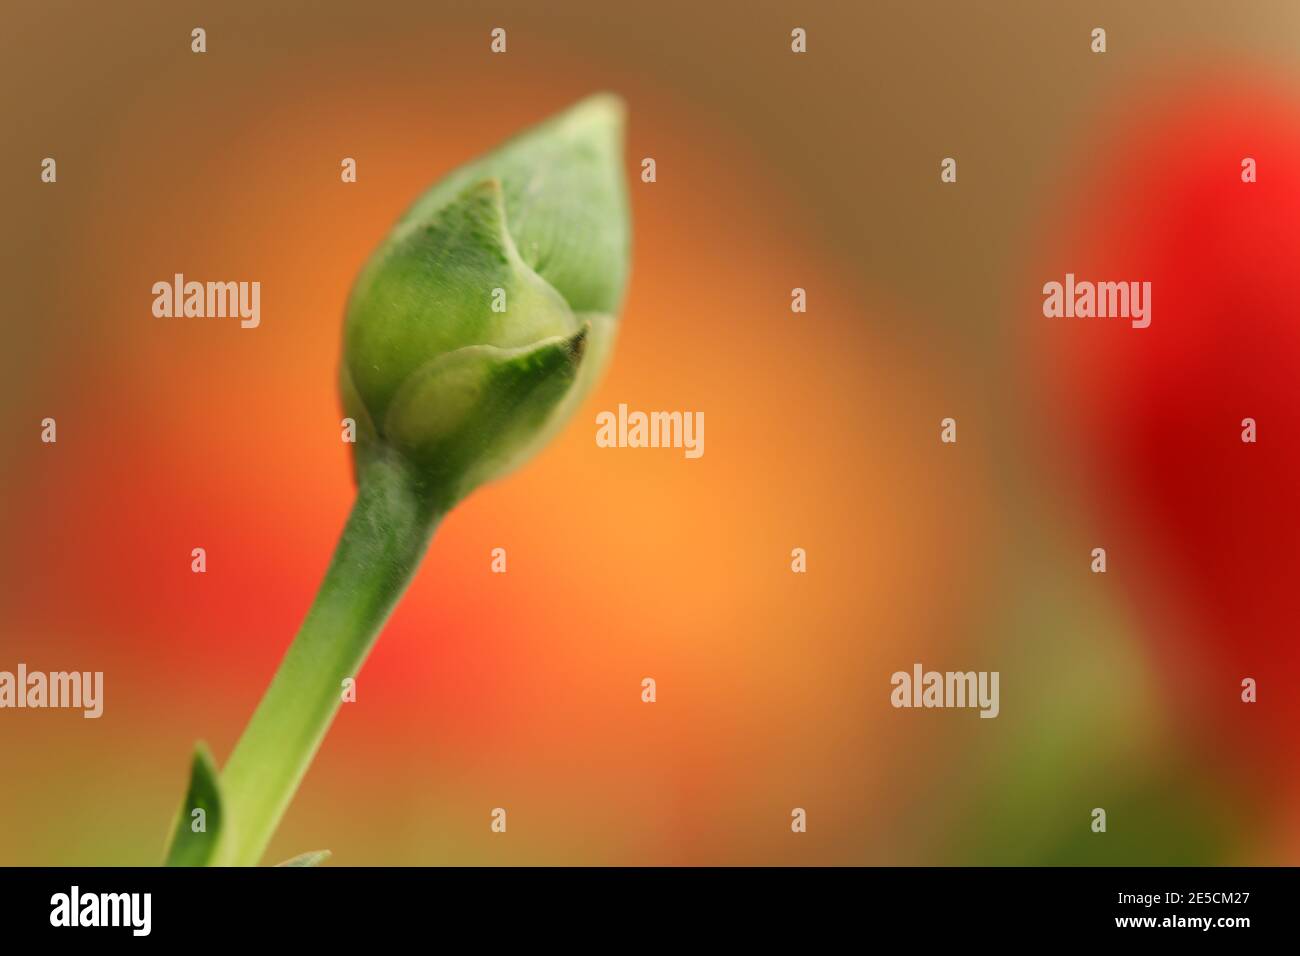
490,310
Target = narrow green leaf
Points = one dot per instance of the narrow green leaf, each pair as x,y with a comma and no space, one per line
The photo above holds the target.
195,834
314,858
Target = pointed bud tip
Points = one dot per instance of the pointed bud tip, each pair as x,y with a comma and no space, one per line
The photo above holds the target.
600,117
599,108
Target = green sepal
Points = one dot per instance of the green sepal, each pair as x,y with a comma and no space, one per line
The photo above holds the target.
465,417
523,245
457,281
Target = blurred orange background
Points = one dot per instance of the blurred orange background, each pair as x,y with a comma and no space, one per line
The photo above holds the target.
522,690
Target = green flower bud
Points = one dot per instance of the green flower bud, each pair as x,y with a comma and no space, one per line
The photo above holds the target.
490,310
471,335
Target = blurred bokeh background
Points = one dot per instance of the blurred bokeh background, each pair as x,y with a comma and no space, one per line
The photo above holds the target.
775,170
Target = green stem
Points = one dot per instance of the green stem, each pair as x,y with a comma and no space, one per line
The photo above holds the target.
386,535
